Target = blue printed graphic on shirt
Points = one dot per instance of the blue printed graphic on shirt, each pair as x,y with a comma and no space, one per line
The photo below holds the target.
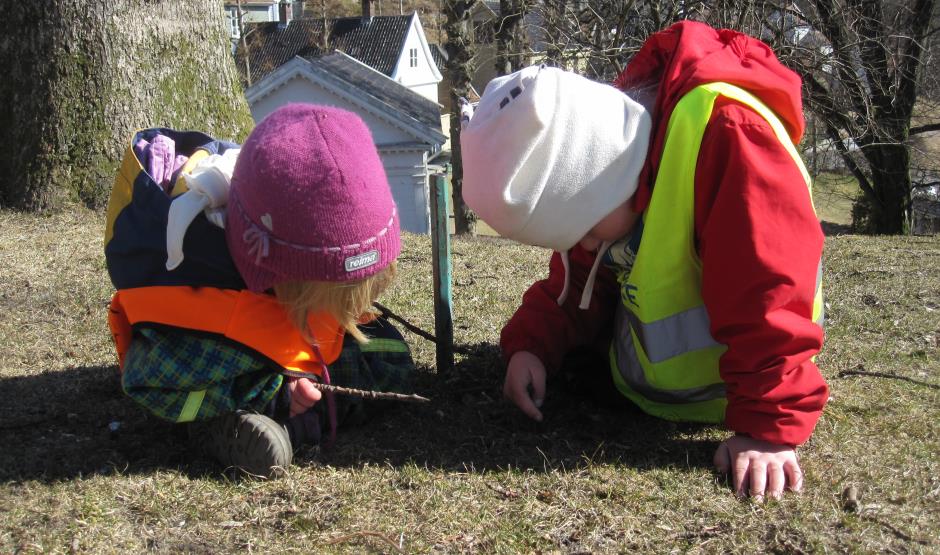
620,257
622,253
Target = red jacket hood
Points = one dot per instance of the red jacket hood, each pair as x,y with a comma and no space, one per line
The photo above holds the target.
689,54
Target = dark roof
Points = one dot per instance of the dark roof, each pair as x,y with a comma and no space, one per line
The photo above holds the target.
440,56
376,42
493,5
355,75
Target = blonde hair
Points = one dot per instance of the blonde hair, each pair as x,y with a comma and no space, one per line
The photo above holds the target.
347,301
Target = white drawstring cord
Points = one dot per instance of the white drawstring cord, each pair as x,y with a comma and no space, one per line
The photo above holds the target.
589,285
564,290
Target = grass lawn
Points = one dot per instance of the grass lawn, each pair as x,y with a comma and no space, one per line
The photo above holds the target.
833,195
464,473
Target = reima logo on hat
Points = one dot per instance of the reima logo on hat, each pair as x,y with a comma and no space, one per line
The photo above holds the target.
361,261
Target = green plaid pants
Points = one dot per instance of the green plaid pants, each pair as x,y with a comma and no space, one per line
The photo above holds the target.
182,376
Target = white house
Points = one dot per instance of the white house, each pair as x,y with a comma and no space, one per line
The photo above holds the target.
416,67
393,45
378,67
259,11
405,126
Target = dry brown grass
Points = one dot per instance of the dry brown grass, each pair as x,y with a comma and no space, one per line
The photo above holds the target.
464,473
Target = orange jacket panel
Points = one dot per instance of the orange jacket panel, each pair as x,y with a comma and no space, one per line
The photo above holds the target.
255,320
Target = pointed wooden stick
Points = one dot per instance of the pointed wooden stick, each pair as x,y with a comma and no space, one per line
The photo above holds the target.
363,393
462,349
369,394
408,325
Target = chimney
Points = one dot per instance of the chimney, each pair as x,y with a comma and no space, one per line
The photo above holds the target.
366,11
283,13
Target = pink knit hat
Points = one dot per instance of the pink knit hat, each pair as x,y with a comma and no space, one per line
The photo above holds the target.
310,200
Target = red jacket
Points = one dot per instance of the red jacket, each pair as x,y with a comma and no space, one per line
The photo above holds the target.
757,235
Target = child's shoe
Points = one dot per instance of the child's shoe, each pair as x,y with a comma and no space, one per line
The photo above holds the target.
304,429
248,441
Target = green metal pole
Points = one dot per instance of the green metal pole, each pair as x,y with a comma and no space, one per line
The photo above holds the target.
440,244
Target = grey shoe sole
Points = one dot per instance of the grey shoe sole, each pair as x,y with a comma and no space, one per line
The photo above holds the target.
247,441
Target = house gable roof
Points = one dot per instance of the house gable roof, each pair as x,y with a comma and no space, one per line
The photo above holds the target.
363,86
376,42
425,48
488,7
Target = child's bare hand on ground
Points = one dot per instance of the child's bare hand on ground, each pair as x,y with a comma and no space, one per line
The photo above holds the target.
525,370
759,467
303,395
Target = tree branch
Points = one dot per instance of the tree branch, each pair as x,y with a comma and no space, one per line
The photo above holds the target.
845,373
873,51
924,129
863,182
835,31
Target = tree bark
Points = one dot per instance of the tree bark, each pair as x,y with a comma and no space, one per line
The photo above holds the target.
82,75
460,70
509,48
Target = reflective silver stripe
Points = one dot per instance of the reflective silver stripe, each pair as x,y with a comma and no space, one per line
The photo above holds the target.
628,364
821,321
673,335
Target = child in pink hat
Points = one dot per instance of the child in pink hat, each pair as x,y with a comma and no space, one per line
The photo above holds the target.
234,334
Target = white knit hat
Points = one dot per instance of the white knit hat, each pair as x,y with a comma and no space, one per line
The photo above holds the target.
548,154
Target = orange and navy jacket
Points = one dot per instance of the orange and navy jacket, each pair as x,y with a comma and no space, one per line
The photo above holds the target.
205,294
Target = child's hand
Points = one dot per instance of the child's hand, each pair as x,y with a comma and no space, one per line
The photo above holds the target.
759,466
302,395
525,370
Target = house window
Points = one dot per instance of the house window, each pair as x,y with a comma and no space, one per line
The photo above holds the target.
413,57
233,19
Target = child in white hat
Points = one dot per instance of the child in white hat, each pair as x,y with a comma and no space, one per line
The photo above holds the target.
687,248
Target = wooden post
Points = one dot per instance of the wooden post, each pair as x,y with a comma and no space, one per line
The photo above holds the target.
440,244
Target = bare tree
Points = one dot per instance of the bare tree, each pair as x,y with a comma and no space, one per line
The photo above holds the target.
597,38
862,64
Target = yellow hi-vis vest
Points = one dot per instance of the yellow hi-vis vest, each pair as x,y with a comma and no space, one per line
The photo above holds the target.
663,356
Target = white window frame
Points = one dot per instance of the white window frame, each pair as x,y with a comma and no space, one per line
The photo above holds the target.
233,14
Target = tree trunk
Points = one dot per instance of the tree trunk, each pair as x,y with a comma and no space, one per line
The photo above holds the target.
891,182
82,75
459,69
508,37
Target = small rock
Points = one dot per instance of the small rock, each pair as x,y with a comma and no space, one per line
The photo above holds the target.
850,499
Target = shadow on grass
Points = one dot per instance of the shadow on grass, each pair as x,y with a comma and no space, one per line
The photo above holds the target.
468,425
831,229
58,425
